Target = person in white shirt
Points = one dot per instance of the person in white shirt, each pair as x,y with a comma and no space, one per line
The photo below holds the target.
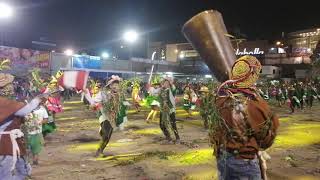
12,146
34,123
112,105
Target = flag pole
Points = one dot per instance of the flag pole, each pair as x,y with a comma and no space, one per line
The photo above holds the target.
152,59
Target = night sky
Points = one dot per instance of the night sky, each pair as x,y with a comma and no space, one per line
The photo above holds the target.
100,23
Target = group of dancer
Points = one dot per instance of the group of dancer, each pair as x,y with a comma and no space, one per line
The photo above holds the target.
24,123
110,103
223,108
298,95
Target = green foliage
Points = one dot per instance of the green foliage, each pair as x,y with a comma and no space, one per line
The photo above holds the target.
36,78
93,83
124,84
214,121
136,81
5,65
156,79
212,85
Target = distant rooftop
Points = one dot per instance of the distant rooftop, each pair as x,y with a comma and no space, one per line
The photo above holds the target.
306,32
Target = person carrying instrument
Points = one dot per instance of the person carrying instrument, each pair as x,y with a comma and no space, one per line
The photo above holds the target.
241,124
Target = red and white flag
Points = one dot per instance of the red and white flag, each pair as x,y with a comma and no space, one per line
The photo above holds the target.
74,79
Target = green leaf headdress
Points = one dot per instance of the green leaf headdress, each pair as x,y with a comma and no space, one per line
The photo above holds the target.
5,64
156,80
36,78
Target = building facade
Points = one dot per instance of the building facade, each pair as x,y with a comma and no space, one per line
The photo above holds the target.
306,39
288,59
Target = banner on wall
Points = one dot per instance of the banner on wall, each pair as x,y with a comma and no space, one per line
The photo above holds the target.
24,60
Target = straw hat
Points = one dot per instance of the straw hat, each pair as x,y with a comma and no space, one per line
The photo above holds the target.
204,89
5,79
246,71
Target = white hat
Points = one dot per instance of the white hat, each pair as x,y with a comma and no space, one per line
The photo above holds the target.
113,78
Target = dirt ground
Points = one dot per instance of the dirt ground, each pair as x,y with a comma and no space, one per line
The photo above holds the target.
138,154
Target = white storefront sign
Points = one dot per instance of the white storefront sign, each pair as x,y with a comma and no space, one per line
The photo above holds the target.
256,51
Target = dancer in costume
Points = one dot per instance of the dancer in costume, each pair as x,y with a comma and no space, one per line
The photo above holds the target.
243,123
53,106
12,147
153,100
293,101
285,92
168,111
34,122
135,95
279,95
311,94
299,95
205,101
95,89
187,100
263,91
113,110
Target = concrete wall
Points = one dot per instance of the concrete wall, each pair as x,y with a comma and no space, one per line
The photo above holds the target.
301,73
171,52
271,71
271,59
61,61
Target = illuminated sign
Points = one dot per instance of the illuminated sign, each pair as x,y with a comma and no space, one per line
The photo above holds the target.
188,54
85,61
256,51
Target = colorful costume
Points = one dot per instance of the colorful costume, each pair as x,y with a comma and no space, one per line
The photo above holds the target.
12,146
243,123
311,94
168,112
299,96
53,105
280,96
153,99
187,99
135,95
205,104
33,124
113,112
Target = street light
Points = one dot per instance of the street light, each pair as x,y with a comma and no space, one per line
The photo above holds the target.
68,52
181,56
5,10
105,55
130,36
278,43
